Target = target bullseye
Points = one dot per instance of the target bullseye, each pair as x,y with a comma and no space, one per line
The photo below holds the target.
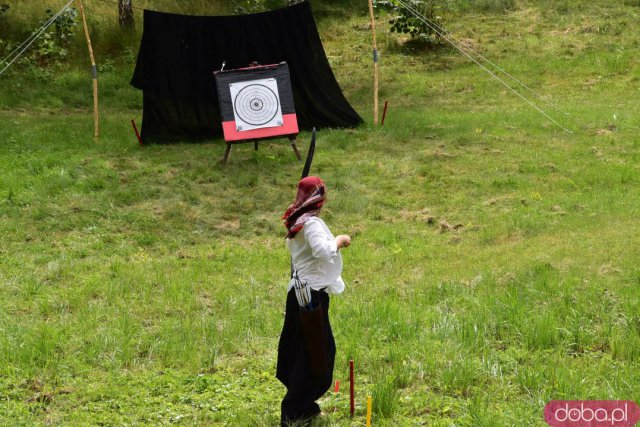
256,105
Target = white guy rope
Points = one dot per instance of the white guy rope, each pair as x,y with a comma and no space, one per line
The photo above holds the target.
33,34
441,34
32,38
496,66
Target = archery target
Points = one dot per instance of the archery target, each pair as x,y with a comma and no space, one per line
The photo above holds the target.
256,104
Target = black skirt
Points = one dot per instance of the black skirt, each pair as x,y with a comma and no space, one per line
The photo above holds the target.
294,368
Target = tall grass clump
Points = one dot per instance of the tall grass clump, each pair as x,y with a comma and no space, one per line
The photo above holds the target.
385,397
625,342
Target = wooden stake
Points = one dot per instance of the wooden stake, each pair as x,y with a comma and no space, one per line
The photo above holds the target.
384,112
94,72
351,392
375,64
135,129
368,411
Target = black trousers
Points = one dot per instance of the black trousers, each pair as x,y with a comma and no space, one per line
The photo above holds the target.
294,367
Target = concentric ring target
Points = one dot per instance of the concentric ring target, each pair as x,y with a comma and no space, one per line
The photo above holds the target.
256,104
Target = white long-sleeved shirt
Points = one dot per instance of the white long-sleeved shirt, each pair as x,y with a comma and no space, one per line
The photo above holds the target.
316,257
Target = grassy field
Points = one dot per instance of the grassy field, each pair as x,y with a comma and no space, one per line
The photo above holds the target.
494,264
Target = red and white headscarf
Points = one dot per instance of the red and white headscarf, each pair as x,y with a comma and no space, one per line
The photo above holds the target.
309,200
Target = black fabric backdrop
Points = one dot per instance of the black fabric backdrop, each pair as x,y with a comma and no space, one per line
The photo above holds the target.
178,55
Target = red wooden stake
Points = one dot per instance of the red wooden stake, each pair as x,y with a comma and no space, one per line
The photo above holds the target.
135,129
353,405
384,113
336,388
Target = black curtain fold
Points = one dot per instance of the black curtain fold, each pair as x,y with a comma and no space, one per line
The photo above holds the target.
179,53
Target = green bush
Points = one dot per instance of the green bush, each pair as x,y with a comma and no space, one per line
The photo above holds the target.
53,45
428,28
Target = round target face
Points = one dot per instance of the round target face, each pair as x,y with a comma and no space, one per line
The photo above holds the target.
256,104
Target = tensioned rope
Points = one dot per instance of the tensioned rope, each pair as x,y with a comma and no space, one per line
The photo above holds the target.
32,38
442,34
497,67
33,34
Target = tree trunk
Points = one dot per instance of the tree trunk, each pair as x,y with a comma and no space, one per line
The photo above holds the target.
125,14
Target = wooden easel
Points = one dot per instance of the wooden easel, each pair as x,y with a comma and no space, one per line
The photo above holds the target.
227,151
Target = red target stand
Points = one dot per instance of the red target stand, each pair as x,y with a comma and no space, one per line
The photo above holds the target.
256,103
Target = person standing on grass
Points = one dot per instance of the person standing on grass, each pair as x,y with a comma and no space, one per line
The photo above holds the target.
315,256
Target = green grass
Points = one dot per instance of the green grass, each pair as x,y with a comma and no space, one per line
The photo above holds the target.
494,258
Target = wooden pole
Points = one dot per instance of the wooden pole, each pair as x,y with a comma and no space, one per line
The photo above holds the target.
375,64
368,411
94,72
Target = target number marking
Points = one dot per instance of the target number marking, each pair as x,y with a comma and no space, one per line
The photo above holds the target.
256,104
